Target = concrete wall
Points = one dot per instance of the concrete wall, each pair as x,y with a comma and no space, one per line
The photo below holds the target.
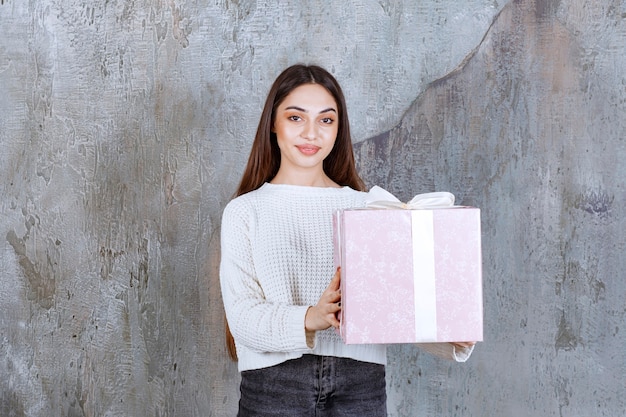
125,126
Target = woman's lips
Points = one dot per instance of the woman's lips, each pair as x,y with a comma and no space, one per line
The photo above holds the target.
308,149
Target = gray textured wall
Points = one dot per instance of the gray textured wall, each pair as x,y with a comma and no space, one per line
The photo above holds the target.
125,125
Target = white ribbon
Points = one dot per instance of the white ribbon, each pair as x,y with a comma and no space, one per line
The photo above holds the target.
381,198
422,230
424,285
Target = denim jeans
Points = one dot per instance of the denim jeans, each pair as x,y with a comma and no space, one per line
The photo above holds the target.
314,386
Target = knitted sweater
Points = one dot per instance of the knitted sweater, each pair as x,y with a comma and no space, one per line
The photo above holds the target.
277,259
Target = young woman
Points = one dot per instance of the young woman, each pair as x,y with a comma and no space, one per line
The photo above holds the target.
279,286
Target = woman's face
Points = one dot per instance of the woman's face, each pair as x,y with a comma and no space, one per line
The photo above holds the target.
306,125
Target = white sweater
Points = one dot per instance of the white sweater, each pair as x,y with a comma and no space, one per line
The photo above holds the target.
277,259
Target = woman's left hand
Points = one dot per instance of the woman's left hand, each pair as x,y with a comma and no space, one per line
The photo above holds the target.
462,345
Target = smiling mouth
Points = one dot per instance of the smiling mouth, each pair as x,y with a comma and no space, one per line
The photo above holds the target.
308,150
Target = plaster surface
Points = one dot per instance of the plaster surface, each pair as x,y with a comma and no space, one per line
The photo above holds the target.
125,126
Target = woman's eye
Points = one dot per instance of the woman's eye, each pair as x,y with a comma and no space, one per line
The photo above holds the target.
295,118
327,120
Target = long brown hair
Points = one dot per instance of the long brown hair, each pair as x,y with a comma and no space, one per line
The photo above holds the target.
264,159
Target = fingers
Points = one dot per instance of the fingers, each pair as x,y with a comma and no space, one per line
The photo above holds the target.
321,317
330,309
332,297
335,298
334,308
335,281
332,293
463,344
324,314
332,320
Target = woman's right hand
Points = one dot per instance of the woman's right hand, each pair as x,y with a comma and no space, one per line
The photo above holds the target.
324,314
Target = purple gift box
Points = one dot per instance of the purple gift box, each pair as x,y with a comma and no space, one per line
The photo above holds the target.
410,275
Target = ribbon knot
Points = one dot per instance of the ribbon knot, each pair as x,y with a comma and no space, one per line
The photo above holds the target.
380,198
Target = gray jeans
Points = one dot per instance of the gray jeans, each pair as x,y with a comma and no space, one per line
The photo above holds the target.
315,386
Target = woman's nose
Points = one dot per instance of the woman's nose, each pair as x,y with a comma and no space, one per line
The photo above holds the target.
309,131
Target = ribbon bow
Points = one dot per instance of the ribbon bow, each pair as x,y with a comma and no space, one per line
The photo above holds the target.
381,198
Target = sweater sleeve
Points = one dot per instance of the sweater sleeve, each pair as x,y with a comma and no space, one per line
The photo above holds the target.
255,322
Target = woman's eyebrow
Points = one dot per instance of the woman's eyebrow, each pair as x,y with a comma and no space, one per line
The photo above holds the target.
306,111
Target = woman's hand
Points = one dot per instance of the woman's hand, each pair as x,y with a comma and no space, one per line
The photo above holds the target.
324,314
461,345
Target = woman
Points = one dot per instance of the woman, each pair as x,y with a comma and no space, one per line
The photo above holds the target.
280,289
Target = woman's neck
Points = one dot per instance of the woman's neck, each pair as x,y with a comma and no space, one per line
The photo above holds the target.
304,179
